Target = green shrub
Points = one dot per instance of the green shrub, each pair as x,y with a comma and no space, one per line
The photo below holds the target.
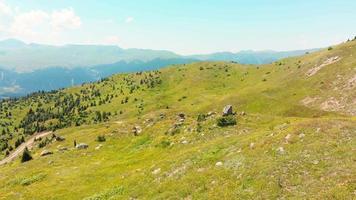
330,48
226,121
26,156
107,194
164,144
101,138
201,117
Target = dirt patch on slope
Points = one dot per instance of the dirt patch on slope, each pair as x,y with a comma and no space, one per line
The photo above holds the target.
327,62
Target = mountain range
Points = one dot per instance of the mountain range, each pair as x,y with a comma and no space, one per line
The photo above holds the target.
26,68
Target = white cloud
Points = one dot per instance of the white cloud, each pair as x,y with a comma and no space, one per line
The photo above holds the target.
65,19
27,24
36,25
129,20
5,9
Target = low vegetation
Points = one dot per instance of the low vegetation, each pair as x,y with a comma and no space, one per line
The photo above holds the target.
291,136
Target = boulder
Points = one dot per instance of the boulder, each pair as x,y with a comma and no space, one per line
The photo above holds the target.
227,110
136,130
280,150
181,115
82,146
62,148
156,171
211,113
98,147
59,138
46,153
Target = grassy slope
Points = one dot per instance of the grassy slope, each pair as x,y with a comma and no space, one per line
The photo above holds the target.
318,165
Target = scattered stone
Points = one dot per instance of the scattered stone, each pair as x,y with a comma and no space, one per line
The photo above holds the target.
156,171
82,146
59,138
252,145
46,153
328,61
280,150
98,147
136,130
218,164
181,115
60,148
211,113
301,135
162,115
200,170
288,138
315,162
184,142
318,130
227,110
174,129
243,113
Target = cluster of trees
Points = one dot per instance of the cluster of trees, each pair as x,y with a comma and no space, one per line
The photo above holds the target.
64,108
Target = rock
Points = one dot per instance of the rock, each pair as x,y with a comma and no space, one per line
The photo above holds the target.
184,142
211,113
62,148
98,147
60,138
156,171
162,115
181,115
82,146
200,170
302,135
174,129
136,130
218,164
288,138
227,110
280,150
46,153
243,113
181,120
252,145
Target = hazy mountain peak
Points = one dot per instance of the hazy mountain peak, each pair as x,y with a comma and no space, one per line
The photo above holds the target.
11,43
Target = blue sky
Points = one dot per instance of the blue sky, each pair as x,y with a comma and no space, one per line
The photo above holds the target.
182,26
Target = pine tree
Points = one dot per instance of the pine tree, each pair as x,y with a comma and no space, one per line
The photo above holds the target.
26,156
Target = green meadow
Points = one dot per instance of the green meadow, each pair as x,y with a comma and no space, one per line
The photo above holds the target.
294,138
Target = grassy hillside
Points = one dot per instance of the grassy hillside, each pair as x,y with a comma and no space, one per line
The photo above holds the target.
294,137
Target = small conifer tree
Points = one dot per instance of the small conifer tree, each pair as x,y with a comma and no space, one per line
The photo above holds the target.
26,156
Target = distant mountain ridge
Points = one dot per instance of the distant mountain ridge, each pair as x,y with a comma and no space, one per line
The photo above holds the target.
23,57
14,84
19,56
251,57
26,68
